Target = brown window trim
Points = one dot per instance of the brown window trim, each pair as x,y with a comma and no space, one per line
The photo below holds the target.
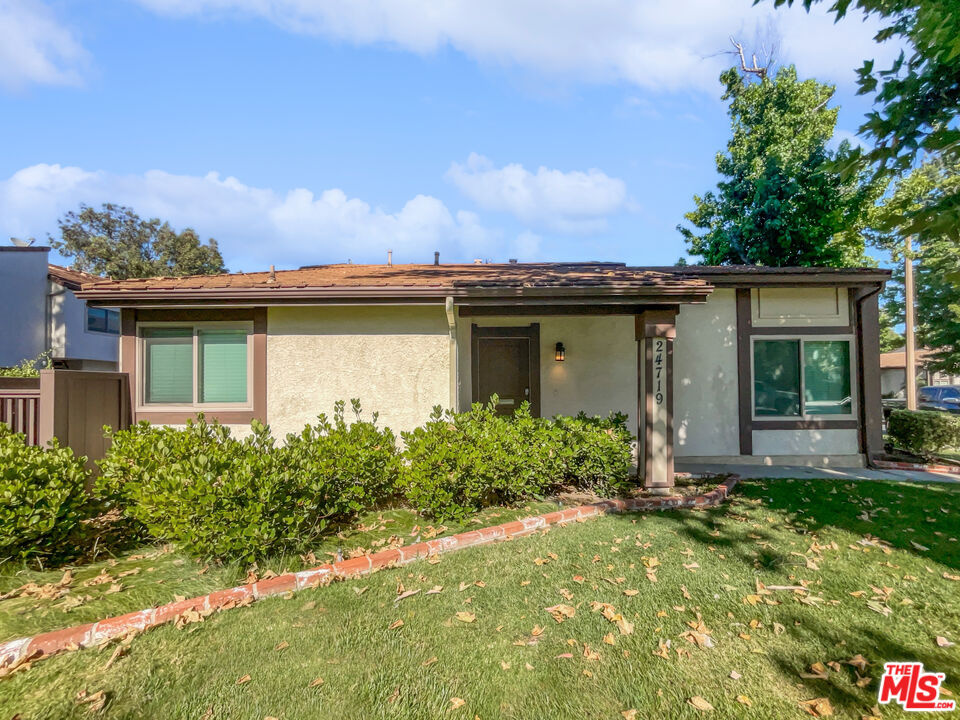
128,360
532,333
746,331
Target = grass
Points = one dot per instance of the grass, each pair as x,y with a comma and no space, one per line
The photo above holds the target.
502,666
157,574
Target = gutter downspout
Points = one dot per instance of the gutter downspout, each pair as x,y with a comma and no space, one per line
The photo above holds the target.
859,299
452,328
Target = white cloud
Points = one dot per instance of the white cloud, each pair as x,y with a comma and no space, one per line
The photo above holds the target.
563,201
35,48
653,44
255,226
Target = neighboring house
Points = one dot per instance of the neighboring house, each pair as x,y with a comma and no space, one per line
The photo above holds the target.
729,364
893,373
40,312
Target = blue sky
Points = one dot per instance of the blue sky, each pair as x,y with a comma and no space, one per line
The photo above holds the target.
300,132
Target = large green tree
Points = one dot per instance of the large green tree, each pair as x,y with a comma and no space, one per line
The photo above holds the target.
780,202
936,256
916,99
116,242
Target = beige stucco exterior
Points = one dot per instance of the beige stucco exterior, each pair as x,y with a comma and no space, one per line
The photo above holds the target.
598,376
396,359
705,410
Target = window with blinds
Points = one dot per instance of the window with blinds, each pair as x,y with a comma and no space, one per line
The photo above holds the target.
194,365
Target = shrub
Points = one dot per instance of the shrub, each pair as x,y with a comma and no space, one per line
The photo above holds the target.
42,498
460,462
924,432
222,497
29,367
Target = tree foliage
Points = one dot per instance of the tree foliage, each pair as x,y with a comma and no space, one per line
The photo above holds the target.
780,201
917,99
116,242
937,256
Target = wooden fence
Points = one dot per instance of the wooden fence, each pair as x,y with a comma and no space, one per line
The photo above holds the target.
70,405
20,406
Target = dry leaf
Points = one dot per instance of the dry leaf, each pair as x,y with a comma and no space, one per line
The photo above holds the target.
561,612
700,704
630,714
457,703
467,617
282,645
744,700
943,642
818,707
244,680
734,675
395,624
429,661
317,682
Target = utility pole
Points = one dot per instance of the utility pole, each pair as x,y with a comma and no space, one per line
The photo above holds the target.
911,350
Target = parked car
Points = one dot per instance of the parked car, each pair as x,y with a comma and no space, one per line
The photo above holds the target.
945,398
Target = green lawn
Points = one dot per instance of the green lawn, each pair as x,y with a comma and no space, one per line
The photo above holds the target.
514,660
154,575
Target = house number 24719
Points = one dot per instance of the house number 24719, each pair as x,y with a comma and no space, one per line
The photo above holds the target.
659,348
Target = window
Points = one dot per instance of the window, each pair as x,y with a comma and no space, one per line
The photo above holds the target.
202,364
796,377
103,320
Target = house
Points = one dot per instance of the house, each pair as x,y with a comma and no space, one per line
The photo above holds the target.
893,373
41,312
712,364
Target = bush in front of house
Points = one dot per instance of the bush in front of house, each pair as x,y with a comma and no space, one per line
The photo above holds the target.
924,432
221,497
42,498
460,462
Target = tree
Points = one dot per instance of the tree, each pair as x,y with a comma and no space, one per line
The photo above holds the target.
780,202
936,255
917,98
116,242
890,339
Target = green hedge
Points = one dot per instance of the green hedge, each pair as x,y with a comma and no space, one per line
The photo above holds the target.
246,499
42,499
924,432
460,462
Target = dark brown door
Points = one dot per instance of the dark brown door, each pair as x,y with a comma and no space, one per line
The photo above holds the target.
505,371
506,363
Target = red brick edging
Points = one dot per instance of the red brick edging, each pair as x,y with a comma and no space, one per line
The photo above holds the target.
896,465
16,652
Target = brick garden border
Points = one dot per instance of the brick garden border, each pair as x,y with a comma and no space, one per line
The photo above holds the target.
17,652
896,465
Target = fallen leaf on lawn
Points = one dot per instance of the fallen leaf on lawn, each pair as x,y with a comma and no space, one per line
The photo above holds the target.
405,595
434,590
943,642
631,593
686,594
778,628
579,578
744,700
433,559
527,666
467,617
948,576
701,640
94,701
918,546
817,672
395,624
563,656
537,631
609,639
700,704
396,693
561,612
316,682
692,567
590,654
630,714
734,675
243,680
858,661
282,645
663,649
818,707
361,591
429,662
463,586
457,703
862,680
504,665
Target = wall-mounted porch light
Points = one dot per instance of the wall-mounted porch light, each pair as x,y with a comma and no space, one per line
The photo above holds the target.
561,353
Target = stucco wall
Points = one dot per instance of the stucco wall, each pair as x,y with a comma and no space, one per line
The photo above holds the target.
23,297
69,336
805,442
599,374
395,359
705,410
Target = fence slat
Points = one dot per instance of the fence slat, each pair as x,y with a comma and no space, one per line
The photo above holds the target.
20,409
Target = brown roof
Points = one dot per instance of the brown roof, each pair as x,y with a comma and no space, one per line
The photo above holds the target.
898,358
593,279
70,279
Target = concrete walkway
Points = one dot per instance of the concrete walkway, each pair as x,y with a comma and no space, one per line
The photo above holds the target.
799,471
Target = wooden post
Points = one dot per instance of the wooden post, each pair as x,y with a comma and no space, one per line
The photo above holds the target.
911,359
655,332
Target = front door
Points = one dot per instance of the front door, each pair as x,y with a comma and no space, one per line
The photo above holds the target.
506,364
